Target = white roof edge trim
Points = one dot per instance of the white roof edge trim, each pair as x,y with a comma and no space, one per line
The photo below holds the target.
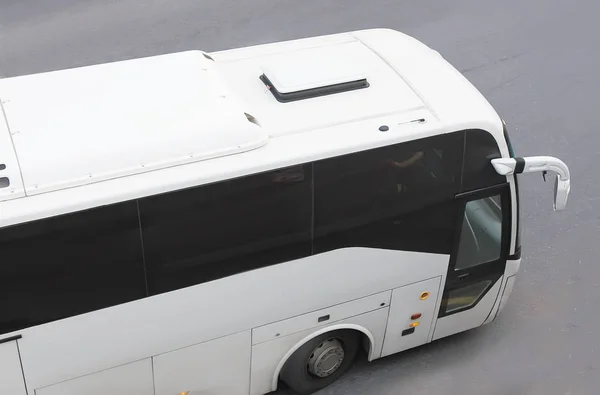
150,167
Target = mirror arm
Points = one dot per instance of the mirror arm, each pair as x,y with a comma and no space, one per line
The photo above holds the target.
531,164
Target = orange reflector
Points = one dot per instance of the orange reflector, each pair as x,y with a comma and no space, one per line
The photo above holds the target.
415,316
184,393
424,295
414,324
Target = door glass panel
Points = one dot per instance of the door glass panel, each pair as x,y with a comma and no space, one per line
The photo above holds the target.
467,296
481,235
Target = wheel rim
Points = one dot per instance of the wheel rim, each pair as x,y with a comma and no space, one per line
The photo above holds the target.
326,358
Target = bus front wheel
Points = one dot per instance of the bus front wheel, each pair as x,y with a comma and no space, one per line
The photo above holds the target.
320,361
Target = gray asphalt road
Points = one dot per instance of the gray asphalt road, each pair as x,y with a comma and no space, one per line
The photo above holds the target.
535,62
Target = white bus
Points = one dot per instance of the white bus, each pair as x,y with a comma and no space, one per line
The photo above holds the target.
218,224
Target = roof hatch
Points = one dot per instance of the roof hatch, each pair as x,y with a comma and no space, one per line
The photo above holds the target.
314,72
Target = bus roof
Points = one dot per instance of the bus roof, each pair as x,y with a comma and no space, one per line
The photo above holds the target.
83,137
89,124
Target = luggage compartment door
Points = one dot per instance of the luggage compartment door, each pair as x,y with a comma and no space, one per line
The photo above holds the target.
11,372
412,312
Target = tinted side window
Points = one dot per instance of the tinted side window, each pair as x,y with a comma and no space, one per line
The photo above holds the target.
70,264
480,149
395,197
217,230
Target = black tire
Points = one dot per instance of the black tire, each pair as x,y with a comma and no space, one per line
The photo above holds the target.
295,372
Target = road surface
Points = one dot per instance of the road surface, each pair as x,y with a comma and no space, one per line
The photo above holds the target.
536,61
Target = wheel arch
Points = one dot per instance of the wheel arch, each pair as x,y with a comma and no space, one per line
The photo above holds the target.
357,328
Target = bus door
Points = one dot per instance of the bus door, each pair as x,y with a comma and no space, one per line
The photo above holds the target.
478,260
11,373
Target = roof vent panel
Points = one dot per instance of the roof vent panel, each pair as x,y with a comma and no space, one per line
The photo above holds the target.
314,72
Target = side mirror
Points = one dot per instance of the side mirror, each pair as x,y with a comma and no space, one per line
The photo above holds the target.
561,193
533,164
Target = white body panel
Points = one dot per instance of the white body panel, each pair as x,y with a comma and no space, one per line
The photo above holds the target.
11,376
450,96
406,302
268,358
512,268
328,315
510,284
131,379
103,339
221,366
